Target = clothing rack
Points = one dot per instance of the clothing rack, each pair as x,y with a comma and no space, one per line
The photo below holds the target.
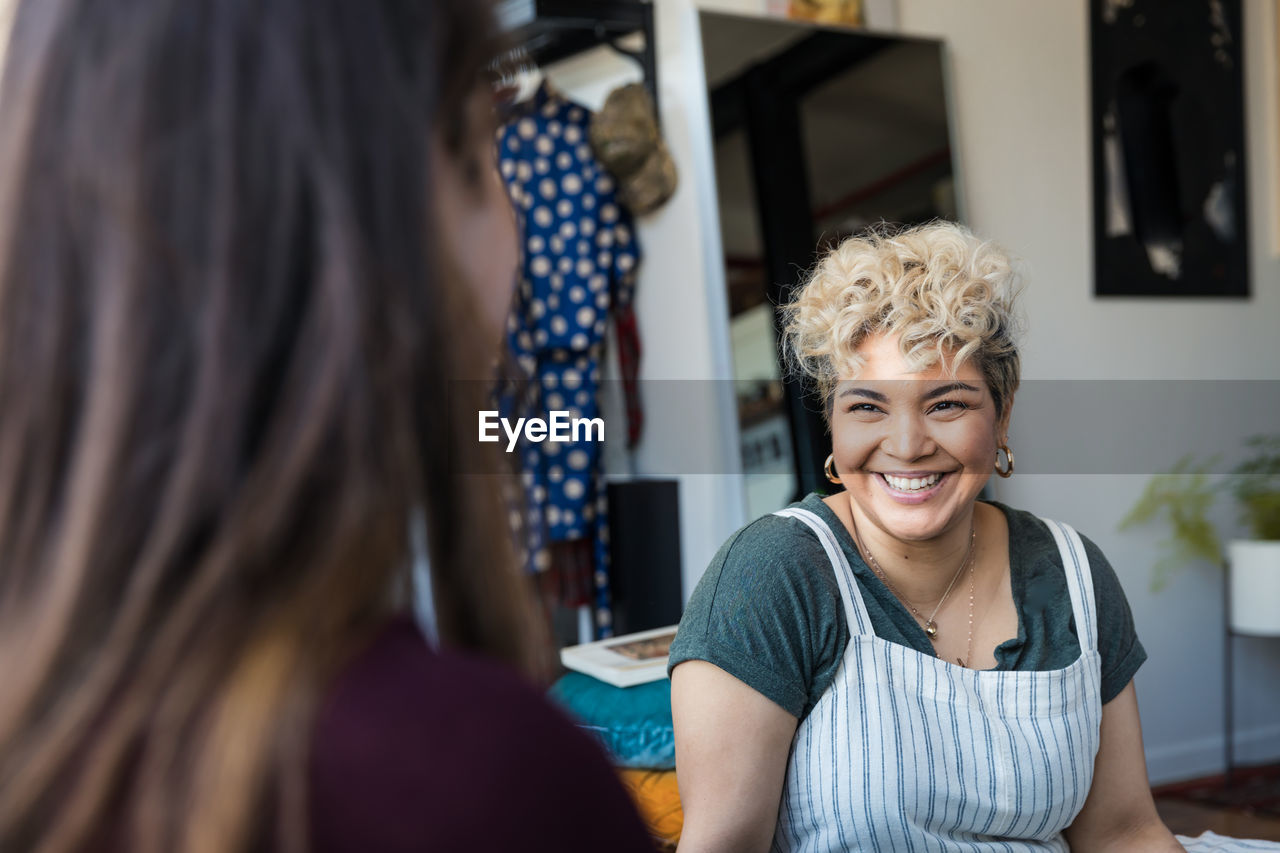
560,29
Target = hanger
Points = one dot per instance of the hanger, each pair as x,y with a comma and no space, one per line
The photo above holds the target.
564,28
516,77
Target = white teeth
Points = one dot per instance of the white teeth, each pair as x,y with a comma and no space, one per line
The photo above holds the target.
912,484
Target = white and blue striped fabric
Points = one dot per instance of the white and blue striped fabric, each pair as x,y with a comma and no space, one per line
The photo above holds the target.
908,752
1211,842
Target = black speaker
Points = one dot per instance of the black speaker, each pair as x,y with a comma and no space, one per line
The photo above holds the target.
644,549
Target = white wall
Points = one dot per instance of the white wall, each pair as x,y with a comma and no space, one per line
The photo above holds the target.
6,23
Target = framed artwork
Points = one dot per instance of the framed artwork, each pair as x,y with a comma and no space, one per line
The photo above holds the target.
1170,207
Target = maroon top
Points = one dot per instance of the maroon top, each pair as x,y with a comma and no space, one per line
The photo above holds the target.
418,750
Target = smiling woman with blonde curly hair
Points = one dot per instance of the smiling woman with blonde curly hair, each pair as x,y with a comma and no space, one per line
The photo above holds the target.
902,665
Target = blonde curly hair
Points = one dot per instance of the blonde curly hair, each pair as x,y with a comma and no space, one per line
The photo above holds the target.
941,289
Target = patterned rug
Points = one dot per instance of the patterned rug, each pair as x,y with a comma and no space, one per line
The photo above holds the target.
1252,789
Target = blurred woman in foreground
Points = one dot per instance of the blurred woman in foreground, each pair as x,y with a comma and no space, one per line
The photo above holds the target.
246,246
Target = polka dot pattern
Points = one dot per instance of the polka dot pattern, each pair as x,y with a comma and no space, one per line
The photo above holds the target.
578,261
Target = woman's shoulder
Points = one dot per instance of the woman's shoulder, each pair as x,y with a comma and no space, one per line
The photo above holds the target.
772,555
1035,552
767,611
1034,537
414,746
1044,578
772,535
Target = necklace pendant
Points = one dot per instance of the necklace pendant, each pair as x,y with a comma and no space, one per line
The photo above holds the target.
962,663
931,629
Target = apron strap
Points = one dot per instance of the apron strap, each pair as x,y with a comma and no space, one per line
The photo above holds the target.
1070,546
1079,582
854,608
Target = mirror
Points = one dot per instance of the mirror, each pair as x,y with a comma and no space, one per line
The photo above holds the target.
818,133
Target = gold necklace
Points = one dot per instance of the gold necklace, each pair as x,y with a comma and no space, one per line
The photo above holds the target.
930,626
968,654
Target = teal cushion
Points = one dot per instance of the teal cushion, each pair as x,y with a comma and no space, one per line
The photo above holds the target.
633,723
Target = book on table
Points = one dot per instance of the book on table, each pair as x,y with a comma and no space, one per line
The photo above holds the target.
623,661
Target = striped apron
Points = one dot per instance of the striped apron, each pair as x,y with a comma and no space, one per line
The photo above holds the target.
908,752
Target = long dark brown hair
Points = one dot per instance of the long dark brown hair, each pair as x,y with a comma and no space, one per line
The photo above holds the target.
229,332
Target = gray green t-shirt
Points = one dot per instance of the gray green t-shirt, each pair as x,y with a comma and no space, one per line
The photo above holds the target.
768,609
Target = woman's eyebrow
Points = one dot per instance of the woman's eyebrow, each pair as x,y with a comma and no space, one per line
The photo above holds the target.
864,392
943,390
940,391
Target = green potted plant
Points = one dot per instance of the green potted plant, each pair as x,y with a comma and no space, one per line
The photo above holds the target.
1183,498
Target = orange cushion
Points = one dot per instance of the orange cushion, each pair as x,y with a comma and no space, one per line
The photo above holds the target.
658,800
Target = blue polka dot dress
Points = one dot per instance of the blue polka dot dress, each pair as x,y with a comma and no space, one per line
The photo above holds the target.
579,261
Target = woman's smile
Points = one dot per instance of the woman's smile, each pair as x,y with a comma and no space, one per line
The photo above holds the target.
913,488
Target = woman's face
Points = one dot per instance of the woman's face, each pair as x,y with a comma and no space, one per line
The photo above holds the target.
476,216
913,449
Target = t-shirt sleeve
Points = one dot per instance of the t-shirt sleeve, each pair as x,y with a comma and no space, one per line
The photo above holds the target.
1118,644
768,612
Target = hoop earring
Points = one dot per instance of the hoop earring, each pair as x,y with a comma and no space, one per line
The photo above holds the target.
829,469
1004,472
